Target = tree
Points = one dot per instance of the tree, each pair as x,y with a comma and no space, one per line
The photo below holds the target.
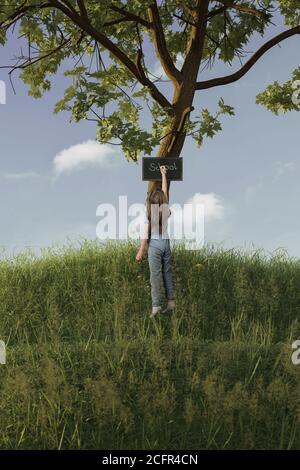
201,31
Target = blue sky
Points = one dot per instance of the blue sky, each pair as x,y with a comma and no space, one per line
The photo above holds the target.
249,173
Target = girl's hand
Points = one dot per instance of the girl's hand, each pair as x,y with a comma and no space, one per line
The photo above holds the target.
139,256
163,170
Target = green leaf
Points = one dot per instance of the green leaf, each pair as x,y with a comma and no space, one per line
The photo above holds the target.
281,98
225,108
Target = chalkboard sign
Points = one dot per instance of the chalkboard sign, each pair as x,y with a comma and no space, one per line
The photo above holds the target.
151,168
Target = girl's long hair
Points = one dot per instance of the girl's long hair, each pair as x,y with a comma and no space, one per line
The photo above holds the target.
155,196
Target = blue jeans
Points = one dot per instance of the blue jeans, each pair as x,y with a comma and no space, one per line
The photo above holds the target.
159,258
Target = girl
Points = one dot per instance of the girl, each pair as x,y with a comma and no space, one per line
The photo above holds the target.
157,239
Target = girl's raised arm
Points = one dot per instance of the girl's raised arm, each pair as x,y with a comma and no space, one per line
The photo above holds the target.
164,184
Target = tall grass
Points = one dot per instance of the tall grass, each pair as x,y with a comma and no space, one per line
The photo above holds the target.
87,367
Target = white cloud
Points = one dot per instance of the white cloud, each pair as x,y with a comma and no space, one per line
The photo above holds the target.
213,207
188,220
89,153
282,167
20,176
191,219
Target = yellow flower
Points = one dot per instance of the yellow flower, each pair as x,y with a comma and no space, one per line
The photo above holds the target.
199,265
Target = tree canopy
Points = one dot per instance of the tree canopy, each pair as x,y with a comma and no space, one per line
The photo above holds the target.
104,41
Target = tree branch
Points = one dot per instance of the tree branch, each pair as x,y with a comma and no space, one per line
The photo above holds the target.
86,26
139,64
160,45
216,12
29,61
197,37
188,10
183,19
130,16
247,66
244,9
180,127
82,8
71,8
22,10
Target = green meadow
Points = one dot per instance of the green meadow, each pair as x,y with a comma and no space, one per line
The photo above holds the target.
88,369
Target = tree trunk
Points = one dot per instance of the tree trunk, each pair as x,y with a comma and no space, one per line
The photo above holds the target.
172,143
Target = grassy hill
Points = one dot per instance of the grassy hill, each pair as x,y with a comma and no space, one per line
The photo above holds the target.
87,368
